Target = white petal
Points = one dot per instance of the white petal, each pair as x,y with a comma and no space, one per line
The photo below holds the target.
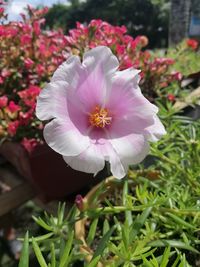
155,131
131,149
117,169
52,101
68,71
90,161
64,138
127,78
101,55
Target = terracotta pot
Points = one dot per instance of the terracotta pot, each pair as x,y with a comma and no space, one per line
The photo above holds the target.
47,170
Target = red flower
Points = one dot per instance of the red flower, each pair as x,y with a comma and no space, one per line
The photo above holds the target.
29,95
40,69
171,97
3,101
192,43
177,75
29,144
25,39
12,127
5,73
25,117
1,80
28,63
12,107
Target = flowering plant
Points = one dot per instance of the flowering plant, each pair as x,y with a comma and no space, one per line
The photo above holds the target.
186,56
147,223
30,56
156,72
98,114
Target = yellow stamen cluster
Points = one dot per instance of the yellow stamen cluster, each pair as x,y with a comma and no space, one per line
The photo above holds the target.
100,117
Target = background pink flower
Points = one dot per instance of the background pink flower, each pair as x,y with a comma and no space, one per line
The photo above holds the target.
98,114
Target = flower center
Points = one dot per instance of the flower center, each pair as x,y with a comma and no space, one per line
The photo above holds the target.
100,117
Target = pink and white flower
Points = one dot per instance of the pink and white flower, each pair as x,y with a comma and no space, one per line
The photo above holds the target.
98,114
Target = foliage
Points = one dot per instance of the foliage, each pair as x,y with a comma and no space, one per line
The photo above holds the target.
188,61
118,12
152,221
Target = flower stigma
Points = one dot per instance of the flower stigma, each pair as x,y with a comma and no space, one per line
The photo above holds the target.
100,117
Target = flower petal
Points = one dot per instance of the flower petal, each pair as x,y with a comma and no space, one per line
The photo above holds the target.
90,161
64,138
125,97
155,131
110,155
68,71
131,149
101,55
52,102
130,124
118,169
99,64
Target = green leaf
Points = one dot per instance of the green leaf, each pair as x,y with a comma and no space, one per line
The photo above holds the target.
103,243
92,231
172,243
61,213
125,235
94,262
24,259
40,238
146,262
180,221
128,213
115,250
38,254
68,246
62,247
138,223
165,257
53,255
176,261
42,223
106,226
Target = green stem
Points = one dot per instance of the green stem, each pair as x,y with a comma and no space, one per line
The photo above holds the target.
118,209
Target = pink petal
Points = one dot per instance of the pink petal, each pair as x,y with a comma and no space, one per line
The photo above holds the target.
124,96
130,124
90,161
64,138
52,102
99,64
77,114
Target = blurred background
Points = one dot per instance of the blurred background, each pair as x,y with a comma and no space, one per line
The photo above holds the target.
162,21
